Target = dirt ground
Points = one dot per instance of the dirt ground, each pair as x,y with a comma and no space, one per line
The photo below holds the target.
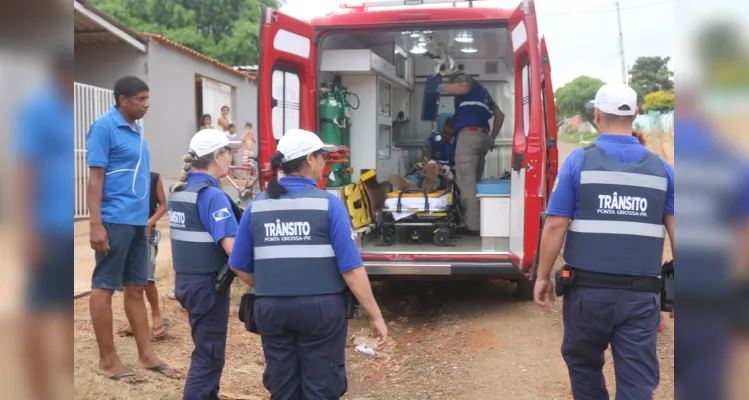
450,340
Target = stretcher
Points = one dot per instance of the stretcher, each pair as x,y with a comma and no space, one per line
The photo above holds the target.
403,205
437,212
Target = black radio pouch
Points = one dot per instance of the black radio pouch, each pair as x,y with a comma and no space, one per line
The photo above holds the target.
352,304
223,279
246,313
667,290
564,277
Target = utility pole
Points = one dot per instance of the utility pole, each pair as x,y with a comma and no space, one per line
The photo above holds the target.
621,43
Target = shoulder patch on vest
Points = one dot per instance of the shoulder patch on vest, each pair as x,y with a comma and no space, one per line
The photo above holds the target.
221,214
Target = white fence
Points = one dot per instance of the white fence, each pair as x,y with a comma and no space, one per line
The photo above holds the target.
90,103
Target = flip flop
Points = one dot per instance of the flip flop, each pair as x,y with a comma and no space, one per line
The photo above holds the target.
126,374
155,329
165,367
124,333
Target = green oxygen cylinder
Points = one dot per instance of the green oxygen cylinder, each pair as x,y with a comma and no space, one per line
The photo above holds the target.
330,132
345,132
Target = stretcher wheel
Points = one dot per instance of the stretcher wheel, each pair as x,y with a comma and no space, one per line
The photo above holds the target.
442,237
388,236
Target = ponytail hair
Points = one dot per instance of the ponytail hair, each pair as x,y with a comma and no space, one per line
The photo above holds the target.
275,190
186,167
640,137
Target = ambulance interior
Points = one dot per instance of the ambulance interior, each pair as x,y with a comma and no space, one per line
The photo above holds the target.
387,71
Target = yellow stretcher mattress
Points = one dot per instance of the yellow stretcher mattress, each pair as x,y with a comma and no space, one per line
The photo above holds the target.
410,205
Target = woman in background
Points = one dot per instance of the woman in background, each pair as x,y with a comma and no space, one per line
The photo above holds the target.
206,122
225,119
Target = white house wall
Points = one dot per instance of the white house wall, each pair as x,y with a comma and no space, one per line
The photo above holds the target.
172,119
102,65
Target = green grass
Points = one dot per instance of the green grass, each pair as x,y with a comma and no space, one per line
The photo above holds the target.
581,137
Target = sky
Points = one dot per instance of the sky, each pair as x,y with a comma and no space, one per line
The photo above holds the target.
582,35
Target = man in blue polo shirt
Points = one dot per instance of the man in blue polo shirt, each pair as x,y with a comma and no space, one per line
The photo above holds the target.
118,190
611,201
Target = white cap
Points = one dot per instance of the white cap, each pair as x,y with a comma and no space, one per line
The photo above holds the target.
612,97
207,141
298,143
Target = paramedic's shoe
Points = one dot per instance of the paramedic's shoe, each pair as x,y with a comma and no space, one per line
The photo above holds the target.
400,182
430,176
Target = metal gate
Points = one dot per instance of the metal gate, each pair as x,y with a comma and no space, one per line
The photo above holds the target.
90,103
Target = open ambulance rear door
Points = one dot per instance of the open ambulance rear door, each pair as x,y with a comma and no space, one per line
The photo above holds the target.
527,195
550,119
287,79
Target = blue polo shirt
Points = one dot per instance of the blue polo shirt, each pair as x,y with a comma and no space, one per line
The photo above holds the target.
341,236
214,208
46,143
623,148
114,145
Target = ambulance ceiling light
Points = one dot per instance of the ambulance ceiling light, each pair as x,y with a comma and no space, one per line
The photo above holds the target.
420,48
469,49
415,34
464,37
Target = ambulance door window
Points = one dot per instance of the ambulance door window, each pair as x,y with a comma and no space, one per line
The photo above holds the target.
526,97
286,95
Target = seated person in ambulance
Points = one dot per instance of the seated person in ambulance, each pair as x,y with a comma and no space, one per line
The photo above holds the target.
437,162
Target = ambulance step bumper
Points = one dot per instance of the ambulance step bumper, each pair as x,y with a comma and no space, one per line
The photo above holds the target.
501,269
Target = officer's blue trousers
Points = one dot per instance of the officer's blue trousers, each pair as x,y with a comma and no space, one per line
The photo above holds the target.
628,320
304,341
208,312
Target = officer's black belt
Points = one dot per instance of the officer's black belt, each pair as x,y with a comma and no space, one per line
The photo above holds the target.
611,281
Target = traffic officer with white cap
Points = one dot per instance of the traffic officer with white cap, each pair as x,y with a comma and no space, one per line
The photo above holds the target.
203,221
296,247
611,200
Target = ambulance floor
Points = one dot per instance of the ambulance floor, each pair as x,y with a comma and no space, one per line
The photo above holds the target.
463,244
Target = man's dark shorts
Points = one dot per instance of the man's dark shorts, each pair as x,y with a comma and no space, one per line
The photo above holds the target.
50,283
128,260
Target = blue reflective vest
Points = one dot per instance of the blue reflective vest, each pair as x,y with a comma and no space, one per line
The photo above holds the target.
473,109
193,249
293,255
619,228
443,151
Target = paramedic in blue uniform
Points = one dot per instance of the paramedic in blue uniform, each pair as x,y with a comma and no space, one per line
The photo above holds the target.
437,162
296,248
474,107
611,200
203,222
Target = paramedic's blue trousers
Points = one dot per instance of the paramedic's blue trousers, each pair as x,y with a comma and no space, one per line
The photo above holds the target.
304,341
208,312
628,320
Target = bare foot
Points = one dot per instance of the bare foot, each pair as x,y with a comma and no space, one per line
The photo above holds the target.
163,368
120,373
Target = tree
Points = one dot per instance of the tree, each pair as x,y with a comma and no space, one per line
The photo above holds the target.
659,101
226,30
572,97
651,74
